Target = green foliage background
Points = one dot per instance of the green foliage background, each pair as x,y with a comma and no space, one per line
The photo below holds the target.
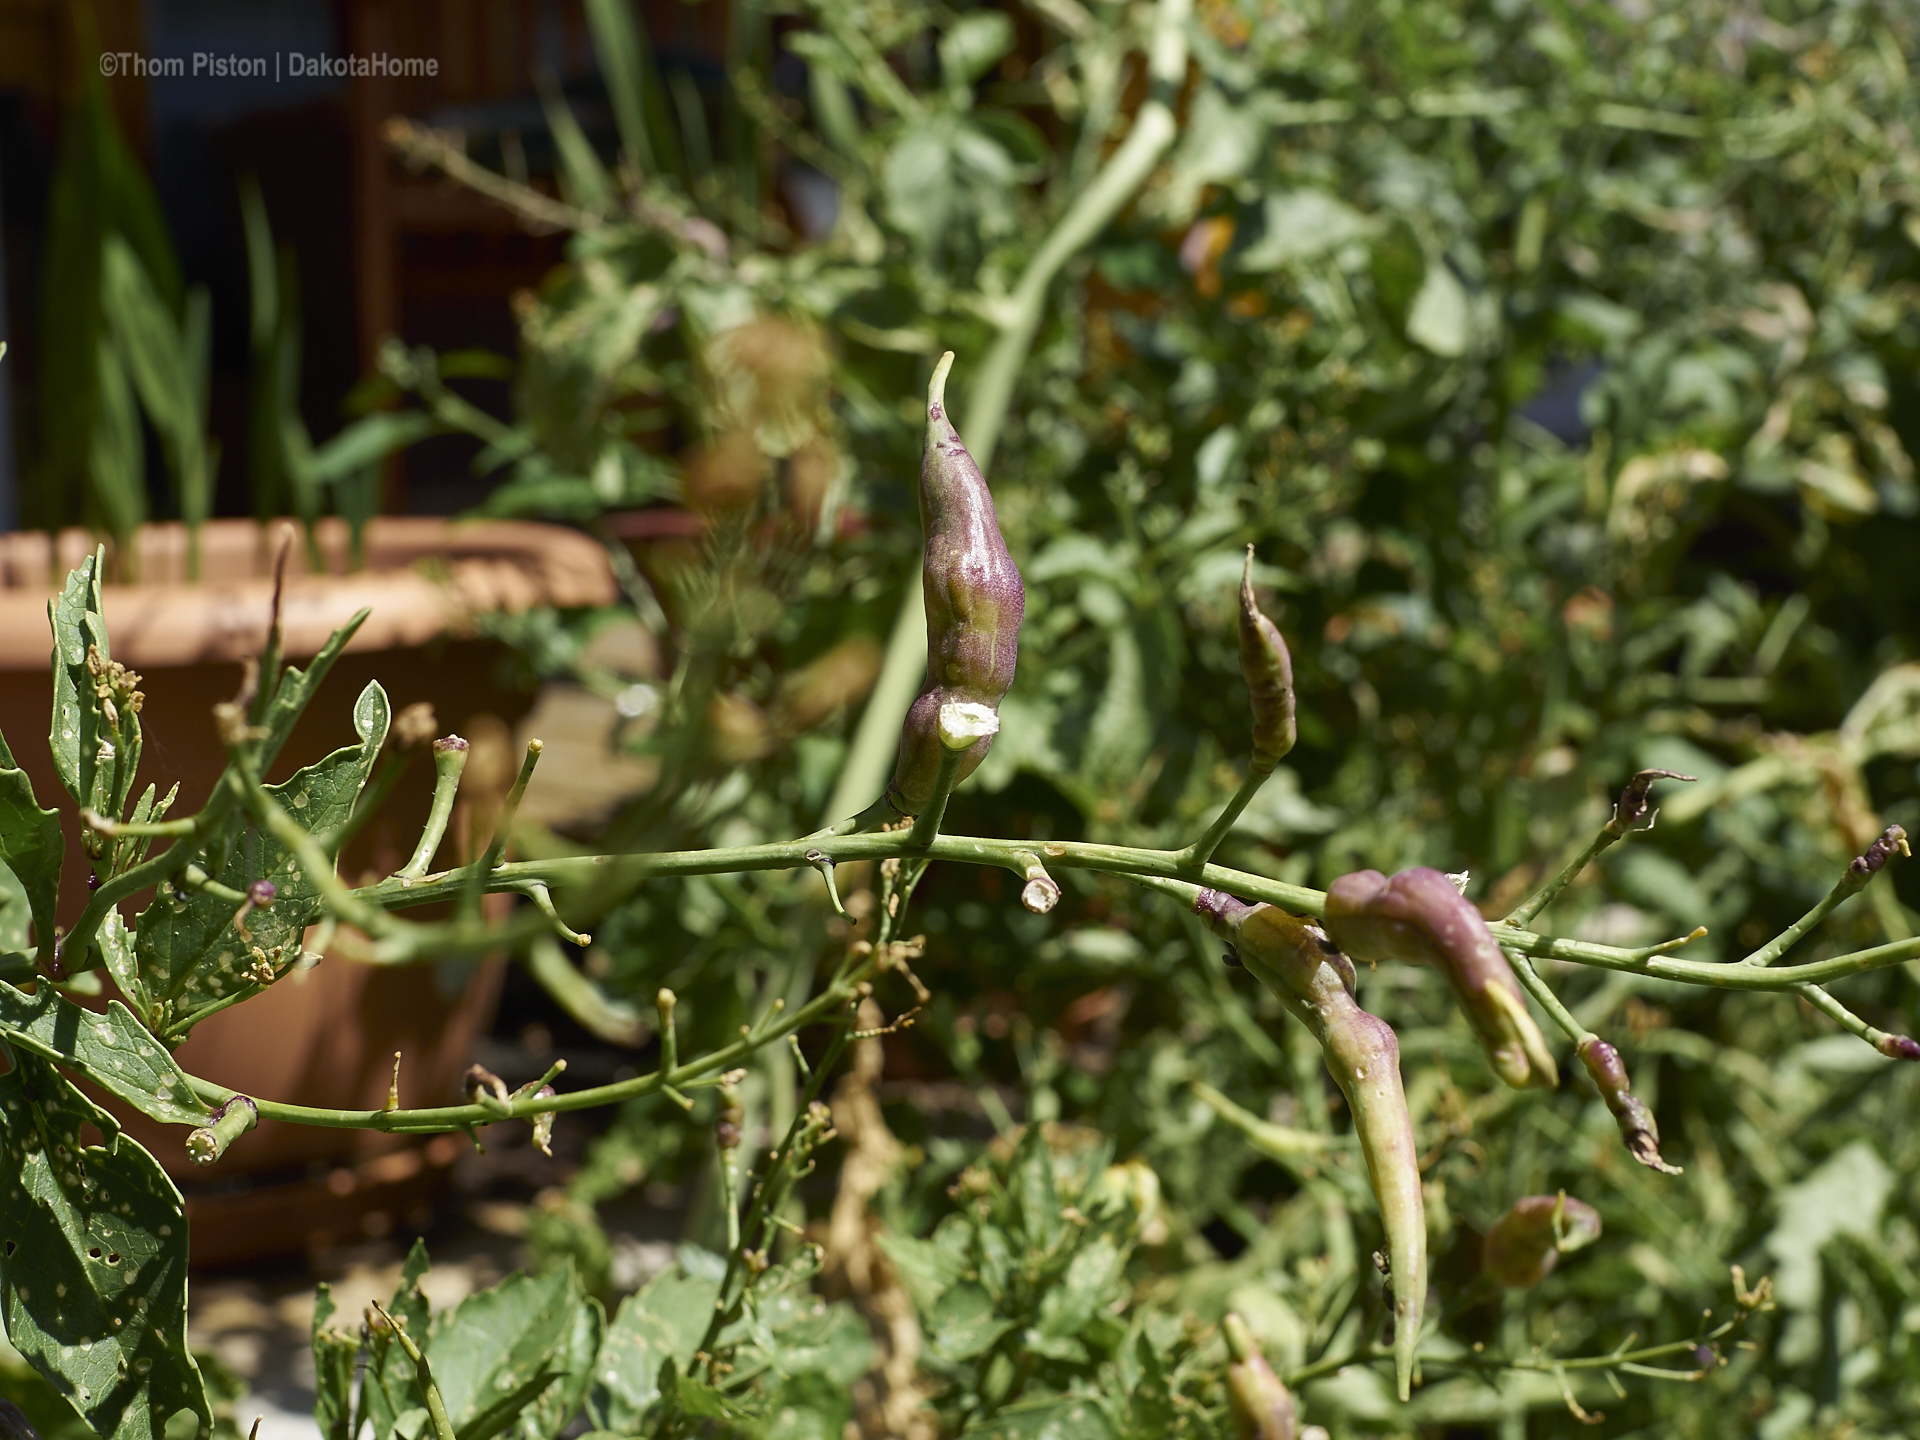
1381,232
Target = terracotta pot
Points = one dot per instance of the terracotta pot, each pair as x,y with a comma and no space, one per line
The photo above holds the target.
326,1037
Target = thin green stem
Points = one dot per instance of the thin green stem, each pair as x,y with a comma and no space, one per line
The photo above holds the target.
1851,883
926,825
1546,894
1201,851
602,1016
436,1407
1543,996
449,760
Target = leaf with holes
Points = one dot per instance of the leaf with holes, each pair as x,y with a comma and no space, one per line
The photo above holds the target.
110,1049
190,950
93,1260
31,847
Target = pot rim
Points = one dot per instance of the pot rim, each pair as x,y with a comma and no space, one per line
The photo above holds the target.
424,577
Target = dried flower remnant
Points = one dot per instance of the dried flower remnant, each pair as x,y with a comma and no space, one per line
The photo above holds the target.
1294,960
1527,1241
975,603
1635,801
1419,918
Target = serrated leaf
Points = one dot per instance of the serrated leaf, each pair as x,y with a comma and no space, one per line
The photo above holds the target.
498,1351
389,1387
334,1355
189,950
663,1322
560,1402
925,1267
964,1323
31,847
1092,1281
111,1049
93,1260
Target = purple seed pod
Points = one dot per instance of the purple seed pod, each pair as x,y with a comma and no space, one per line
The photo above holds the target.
975,602
1294,960
261,893
1525,1243
1629,1111
1419,918
1268,669
1636,800
1262,1407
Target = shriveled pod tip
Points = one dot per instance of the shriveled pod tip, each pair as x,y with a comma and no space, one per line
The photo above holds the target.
1268,669
1630,1112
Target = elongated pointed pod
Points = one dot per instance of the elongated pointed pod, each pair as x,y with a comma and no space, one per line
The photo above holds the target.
975,602
1629,1111
1418,917
1261,1405
1527,1241
1268,669
1294,960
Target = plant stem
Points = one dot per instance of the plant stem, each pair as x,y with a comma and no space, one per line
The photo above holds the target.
1201,851
926,826
436,1407
1850,884
1546,894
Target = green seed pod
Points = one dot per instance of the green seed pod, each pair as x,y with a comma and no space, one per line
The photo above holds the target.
1262,1407
1525,1243
1419,918
1268,669
975,602
1629,1111
1294,960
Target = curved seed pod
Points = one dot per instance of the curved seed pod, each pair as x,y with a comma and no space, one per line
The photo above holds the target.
1262,1407
1634,1118
1268,669
1526,1242
1420,918
1299,964
975,602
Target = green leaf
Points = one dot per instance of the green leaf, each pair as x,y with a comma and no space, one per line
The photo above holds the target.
663,1322
1301,224
1442,317
1045,1417
503,1349
165,361
633,86
334,1355
190,953
926,1268
560,1402
93,1260
117,458
31,848
367,442
973,45
1092,1282
964,1323
389,1386
583,179
77,723
112,1049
